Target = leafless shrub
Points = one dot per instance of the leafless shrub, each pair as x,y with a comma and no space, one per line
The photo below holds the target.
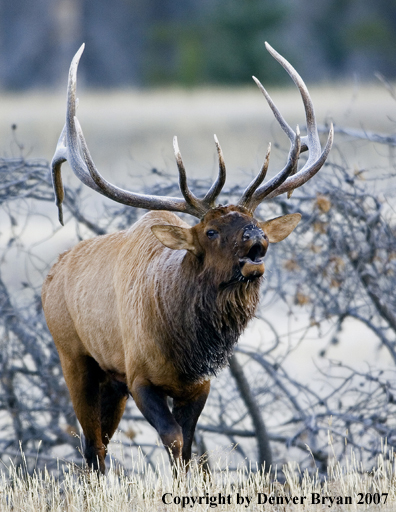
340,265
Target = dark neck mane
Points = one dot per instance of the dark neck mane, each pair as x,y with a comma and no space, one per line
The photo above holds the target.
205,323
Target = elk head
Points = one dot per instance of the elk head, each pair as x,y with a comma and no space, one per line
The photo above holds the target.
229,230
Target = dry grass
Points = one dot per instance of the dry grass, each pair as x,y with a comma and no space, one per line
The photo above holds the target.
346,488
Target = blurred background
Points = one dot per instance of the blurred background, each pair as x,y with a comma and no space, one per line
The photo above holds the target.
194,42
153,69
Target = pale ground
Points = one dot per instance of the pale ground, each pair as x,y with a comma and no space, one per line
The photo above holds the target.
129,132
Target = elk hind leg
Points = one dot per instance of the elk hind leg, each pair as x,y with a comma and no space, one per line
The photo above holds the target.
83,376
114,395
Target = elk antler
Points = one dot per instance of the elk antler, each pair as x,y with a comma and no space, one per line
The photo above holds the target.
73,148
287,179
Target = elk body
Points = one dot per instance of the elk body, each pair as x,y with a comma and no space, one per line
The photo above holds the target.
155,311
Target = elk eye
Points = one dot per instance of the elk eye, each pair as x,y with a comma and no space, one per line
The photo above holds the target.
211,234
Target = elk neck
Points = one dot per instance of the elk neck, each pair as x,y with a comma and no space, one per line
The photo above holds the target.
204,317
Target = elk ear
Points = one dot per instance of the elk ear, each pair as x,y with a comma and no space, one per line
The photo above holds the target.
175,237
279,228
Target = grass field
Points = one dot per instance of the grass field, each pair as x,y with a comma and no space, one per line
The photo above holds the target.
347,488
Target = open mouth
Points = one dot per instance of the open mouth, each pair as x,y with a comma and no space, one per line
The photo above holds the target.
252,265
256,252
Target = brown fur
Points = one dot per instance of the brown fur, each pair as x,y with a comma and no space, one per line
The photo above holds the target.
124,308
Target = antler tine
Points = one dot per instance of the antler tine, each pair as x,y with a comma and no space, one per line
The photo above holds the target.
190,198
278,116
288,179
307,172
313,142
71,139
58,159
247,195
265,190
217,186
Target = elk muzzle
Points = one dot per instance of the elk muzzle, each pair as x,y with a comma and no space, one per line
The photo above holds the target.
254,245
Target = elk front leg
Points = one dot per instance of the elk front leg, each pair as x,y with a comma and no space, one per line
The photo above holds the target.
152,402
186,413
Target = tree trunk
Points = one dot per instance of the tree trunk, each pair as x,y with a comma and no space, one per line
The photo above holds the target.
264,450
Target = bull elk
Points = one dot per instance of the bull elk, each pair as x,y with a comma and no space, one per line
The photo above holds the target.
155,311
